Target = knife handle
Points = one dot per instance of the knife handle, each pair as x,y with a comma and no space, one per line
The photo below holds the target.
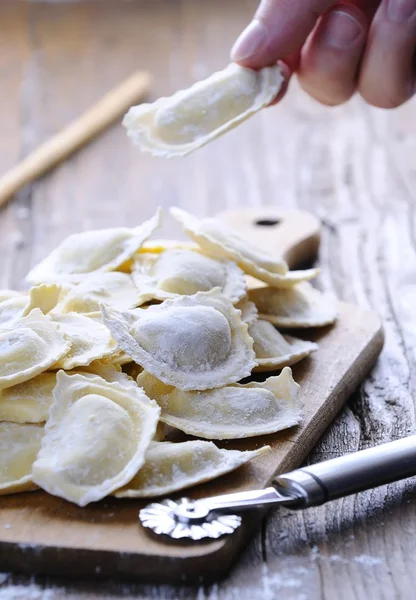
356,472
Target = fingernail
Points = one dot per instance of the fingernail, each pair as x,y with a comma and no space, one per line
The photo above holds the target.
341,29
251,41
400,10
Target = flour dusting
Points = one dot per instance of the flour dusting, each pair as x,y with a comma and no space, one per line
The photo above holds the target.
26,592
368,561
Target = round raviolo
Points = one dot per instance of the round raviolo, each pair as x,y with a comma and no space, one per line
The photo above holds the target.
90,340
28,402
112,288
161,245
44,297
194,342
185,272
95,439
220,241
28,347
172,467
12,309
109,372
299,307
274,350
19,446
249,312
232,412
6,294
190,118
101,250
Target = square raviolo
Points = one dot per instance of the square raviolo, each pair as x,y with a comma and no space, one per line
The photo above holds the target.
193,343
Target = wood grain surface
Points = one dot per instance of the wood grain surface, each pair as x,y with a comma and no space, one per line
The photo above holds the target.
353,166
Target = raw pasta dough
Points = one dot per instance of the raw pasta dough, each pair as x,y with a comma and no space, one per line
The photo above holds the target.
100,250
248,311
301,306
185,272
220,241
111,288
191,118
162,245
12,309
19,445
90,340
235,411
28,347
274,350
107,371
28,402
44,296
173,467
95,439
7,294
193,342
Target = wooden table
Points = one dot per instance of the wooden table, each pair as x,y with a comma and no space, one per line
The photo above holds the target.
353,166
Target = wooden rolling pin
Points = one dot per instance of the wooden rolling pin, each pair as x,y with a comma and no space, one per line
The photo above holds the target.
82,130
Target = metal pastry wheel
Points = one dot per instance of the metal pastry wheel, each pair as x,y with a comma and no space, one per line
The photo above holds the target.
310,486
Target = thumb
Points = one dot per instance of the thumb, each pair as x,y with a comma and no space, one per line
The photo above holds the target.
279,28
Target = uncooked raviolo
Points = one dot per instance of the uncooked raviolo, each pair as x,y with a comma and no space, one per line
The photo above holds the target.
194,342
101,250
28,347
173,467
274,350
298,307
19,445
95,439
232,412
178,272
191,118
220,241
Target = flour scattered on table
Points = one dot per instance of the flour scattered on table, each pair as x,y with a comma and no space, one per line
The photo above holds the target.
121,337
27,592
368,561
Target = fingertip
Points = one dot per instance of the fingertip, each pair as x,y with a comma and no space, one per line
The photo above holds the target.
287,74
331,57
250,44
388,67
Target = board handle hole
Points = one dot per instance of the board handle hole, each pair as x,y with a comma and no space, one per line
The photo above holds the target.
267,222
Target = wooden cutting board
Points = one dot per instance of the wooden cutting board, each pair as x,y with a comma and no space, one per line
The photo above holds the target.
44,534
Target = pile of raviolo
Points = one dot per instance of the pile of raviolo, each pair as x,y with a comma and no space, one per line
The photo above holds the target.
120,339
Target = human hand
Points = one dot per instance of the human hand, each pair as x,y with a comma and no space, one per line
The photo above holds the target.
337,48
